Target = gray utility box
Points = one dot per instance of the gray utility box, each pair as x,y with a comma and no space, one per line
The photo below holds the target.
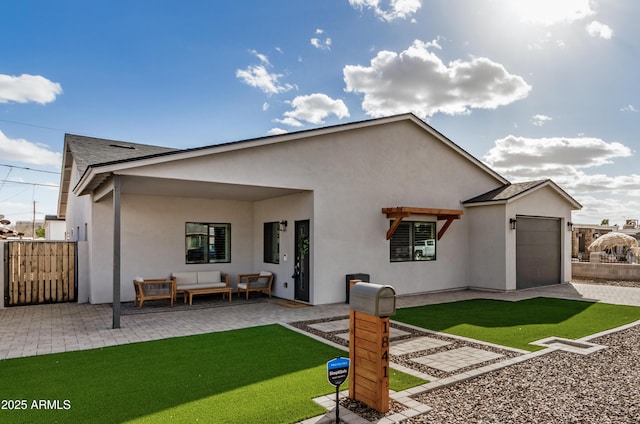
362,277
373,299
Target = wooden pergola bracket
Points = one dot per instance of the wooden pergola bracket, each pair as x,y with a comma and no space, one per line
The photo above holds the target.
398,213
397,219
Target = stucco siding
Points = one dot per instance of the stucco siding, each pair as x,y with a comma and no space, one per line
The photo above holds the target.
487,246
290,208
153,239
352,176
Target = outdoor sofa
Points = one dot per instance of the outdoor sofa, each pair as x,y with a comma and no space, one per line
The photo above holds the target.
200,282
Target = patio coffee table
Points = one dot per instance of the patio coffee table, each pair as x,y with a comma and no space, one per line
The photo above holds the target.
207,290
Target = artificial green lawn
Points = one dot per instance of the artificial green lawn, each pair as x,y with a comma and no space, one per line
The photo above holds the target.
256,375
516,324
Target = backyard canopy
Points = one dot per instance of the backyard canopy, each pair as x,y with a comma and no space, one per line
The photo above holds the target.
613,239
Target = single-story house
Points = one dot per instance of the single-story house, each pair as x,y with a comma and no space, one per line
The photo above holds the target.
389,197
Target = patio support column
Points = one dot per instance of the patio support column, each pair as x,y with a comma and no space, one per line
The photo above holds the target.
116,251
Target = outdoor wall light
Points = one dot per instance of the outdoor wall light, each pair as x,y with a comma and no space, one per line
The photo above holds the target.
283,225
569,226
512,222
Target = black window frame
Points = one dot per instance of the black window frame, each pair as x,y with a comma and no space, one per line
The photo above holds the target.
271,243
207,242
408,236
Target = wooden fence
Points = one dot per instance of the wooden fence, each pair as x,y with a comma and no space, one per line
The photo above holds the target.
40,272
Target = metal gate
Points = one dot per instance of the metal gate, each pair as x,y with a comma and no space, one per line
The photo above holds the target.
40,272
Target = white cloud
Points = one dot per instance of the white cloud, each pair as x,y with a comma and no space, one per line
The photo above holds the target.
397,9
277,131
416,80
540,120
567,161
321,44
262,57
28,88
594,210
292,122
313,109
520,156
629,108
563,160
318,43
20,150
597,29
258,76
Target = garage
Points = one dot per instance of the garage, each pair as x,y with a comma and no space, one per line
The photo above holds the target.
538,252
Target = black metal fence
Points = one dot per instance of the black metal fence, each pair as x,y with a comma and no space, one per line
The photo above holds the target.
607,258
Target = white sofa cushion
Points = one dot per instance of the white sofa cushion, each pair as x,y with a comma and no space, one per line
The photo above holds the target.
185,278
209,277
201,286
187,286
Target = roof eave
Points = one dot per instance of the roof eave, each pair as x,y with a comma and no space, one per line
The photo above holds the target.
546,183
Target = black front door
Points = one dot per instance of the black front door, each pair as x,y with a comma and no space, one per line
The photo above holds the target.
301,273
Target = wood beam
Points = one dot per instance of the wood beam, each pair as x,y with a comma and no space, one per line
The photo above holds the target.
396,223
400,212
444,228
440,213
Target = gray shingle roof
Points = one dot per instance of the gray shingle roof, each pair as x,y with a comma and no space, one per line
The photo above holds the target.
506,192
89,151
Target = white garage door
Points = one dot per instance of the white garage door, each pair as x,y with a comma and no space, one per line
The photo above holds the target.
538,252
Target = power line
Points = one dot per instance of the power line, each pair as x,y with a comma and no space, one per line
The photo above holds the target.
30,169
32,125
33,184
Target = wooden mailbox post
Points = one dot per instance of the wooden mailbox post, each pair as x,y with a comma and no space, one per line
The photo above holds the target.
370,308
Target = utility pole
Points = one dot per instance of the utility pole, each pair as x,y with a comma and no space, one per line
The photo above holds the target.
33,234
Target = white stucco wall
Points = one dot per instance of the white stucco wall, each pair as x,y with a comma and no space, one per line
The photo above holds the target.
296,207
488,226
353,175
153,239
55,230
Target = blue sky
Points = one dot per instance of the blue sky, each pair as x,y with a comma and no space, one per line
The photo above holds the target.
535,88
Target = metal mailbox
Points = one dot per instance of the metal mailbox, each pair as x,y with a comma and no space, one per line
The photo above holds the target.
373,299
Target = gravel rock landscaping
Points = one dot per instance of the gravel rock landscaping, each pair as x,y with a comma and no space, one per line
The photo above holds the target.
558,387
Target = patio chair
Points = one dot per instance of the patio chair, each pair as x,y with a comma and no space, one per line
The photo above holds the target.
152,289
255,282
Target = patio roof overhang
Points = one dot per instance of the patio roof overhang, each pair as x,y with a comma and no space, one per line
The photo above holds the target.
400,212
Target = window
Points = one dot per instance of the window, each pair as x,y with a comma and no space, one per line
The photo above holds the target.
413,241
207,243
271,242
